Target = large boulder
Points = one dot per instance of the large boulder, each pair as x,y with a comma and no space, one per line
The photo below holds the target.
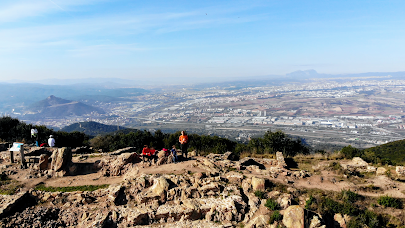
258,184
234,177
158,191
117,166
316,223
341,221
294,217
357,161
61,159
285,200
280,160
43,162
381,171
260,221
400,170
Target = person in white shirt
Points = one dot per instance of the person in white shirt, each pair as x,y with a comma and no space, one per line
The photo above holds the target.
51,141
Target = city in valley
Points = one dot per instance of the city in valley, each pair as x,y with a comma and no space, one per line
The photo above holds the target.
362,112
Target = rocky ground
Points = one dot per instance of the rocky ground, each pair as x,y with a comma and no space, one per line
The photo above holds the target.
211,191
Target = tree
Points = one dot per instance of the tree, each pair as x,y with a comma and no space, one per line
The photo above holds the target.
351,152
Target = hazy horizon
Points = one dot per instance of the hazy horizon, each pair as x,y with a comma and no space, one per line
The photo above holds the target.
196,41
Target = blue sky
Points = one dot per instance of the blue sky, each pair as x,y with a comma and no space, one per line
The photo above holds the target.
197,39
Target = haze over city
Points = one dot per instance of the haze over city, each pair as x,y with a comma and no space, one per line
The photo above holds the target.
196,41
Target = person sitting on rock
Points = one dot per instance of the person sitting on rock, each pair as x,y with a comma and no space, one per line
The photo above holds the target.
51,141
174,153
146,153
153,154
166,152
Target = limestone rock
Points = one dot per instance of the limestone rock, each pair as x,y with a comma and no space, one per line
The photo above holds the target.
294,217
341,221
284,200
13,203
260,221
158,191
61,159
192,153
316,223
43,162
117,166
234,177
258,184
381,171
357,161
400,170
280,160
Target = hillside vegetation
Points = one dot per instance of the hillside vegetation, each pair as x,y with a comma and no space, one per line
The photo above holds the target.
393,152
92,128
12,130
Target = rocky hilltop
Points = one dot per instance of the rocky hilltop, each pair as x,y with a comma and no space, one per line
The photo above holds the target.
217,190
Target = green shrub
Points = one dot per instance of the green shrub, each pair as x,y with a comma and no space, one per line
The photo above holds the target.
271,204
335,166
388,201
350,196
369,218
332,207
309,202
275,216
42,187
350,152
259,194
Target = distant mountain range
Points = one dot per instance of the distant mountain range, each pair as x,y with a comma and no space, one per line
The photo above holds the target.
21,95
92,128
55,107
16,96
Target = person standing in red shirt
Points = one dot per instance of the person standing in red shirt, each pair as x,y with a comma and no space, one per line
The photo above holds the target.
183,139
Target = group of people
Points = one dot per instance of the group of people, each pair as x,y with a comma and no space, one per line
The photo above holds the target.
34,135
150,153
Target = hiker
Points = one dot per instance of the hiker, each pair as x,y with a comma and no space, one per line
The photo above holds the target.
183,139
153,154
145,152
174,153
34,134
43,145
51,141
166,152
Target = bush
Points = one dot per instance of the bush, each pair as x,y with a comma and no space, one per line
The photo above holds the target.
275,216
371,219
309,202
351,152
332,207
259,194
335,166
388,201
271,204
350,196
